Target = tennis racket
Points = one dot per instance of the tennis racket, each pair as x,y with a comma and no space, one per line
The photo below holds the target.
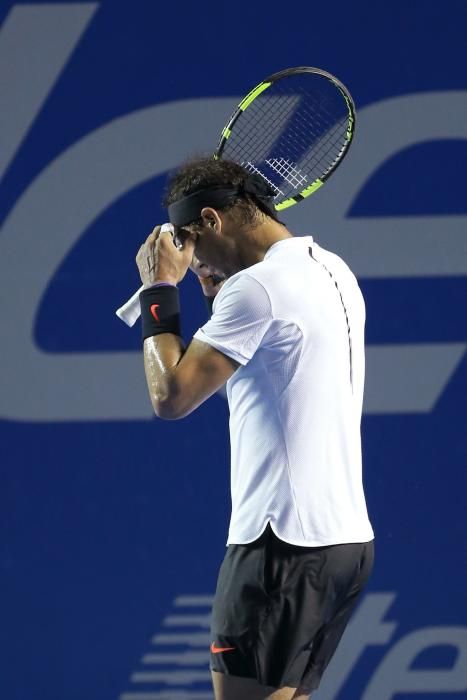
294,129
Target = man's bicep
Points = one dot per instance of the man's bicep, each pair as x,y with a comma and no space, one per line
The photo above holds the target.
241,318
200,373
229,339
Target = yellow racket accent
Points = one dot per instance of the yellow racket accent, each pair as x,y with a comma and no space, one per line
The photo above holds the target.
252,95
304,193
285,204
311,188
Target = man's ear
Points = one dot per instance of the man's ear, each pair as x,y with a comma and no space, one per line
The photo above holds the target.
211,218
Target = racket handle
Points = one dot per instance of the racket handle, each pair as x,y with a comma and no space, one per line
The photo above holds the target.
130,312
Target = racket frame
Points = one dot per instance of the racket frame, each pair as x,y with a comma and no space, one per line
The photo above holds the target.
264,85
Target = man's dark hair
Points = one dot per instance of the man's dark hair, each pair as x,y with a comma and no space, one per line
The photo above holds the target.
202,173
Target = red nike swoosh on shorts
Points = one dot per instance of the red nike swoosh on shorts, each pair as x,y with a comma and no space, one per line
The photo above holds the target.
217,650
154,312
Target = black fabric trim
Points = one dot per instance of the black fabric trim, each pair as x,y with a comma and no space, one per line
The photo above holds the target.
343,306
188,209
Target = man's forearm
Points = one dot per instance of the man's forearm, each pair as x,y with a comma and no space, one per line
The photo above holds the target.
162,353
179,379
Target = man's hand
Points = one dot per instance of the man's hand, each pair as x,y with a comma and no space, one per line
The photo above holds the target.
159,260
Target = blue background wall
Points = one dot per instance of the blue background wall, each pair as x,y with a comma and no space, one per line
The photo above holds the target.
113,523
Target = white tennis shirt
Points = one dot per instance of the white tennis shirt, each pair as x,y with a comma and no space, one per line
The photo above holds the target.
295,323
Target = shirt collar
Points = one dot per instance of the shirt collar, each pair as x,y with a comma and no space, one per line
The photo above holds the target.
288,243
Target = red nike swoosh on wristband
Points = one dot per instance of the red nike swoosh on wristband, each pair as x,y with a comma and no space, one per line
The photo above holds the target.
217,650
153,308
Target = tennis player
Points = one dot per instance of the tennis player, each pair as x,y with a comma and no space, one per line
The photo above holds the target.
286,334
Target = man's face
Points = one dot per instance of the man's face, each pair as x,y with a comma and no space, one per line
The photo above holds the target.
201,269
214,249
203,251
210,249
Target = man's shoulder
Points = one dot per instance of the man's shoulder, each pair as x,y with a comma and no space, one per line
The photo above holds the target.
240,287
333,259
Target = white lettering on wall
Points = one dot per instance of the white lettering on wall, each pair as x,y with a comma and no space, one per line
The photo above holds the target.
48,219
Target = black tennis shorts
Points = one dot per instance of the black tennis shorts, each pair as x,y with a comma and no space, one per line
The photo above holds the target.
280,610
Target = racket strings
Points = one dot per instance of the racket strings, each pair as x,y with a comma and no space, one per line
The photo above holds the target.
288,171
292,134
327,136
253,169
260,141
308,120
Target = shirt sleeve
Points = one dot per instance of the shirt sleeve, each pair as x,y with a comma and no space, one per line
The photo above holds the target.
242,316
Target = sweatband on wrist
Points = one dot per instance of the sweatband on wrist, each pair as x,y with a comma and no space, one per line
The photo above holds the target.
160,311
